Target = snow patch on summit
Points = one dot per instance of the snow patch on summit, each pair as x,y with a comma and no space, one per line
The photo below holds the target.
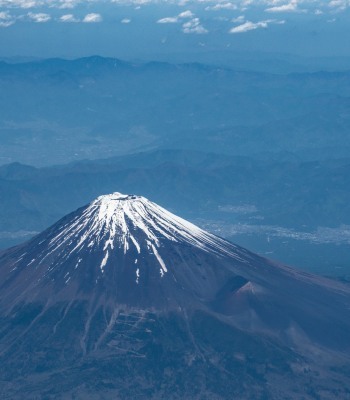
131,223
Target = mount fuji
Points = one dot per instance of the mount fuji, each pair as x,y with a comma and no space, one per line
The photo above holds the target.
122,299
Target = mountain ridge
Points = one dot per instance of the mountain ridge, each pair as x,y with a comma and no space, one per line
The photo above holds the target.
220,320
116,232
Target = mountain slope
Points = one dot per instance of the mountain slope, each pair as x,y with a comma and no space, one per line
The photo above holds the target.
122,299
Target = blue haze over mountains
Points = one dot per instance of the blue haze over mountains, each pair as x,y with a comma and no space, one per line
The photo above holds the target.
255,151
125,122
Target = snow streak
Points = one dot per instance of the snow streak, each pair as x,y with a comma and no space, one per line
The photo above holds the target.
131,222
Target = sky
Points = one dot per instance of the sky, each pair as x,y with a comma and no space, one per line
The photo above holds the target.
141,29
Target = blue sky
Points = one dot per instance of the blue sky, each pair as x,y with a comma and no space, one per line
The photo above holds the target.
140,28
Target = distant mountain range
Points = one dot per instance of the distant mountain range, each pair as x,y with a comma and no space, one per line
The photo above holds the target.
289,193
122,299
56,111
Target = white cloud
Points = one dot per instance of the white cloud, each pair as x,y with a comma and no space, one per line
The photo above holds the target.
316,7
20,3
173,20
67,4
282,5
250,26
92,18
222,6
339,5
68,18
288,7
39,17
26,4
168,20
193,26
130,2
239,19
186,14
283,8
125,21
6,19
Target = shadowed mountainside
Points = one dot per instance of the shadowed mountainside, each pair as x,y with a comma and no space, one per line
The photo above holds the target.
122,298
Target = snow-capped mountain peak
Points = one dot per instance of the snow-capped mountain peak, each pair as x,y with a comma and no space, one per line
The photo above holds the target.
120,283
128,248
125,241
132,223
